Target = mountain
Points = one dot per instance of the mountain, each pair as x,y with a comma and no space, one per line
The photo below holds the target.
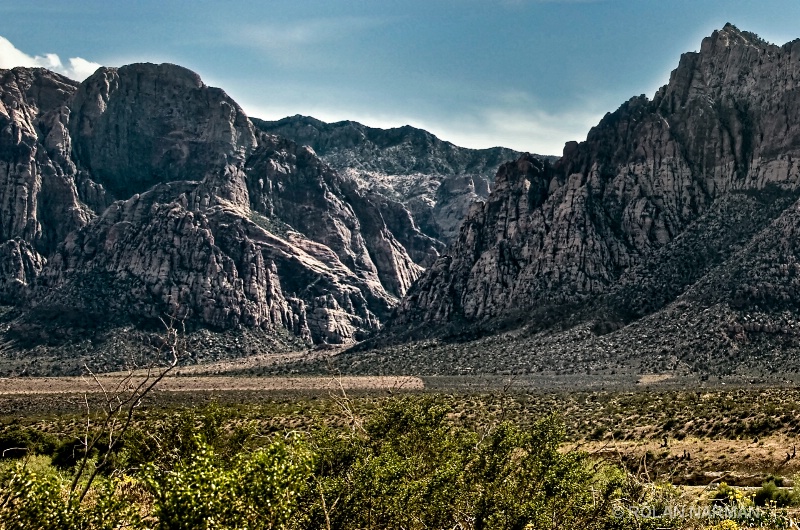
436,180
142,194
665,241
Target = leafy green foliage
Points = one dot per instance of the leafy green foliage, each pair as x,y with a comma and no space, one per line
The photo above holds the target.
524,481
401,469
38,498
258,491
727,495
411,468
769,494
16,442
167,442
402,463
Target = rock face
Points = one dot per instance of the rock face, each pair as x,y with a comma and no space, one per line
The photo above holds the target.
290,183
435,180
38,196
142,193
654,208
138,125
20,265
667,241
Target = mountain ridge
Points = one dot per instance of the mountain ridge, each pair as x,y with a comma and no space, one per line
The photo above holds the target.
142,194
665,242
434,179
624,253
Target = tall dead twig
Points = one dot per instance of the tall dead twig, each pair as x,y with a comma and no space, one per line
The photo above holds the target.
120,403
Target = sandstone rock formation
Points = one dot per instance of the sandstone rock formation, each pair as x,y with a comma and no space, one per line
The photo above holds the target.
655,207
667,241
38,196
435,180
142,193
141,124
20,265
290,183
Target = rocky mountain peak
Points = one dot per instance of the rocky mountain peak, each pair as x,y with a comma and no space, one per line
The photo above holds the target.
142,124
38,198
433,179
730,35
42,90
143,193
634,221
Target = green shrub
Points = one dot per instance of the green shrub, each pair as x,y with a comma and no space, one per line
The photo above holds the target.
403,469
39,499
257,491
770,494
17,441
68,453
727,496
169,440
406,464
410,468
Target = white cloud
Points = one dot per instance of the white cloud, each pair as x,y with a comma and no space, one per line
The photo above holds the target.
302,43
525,129
81,68
76,68
272,36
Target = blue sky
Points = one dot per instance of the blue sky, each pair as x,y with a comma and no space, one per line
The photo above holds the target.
525,74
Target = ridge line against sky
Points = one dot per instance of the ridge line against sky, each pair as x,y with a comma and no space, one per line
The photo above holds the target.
525,74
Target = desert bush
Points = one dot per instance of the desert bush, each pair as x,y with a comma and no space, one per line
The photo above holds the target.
401,467
259,490
37,497
726,525
17,441
409,463
167,440
410,468
728,496
769,494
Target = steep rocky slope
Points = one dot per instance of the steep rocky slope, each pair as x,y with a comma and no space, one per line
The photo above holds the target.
138,125
142,194
436,180
667,241
663,241
20,265
38,197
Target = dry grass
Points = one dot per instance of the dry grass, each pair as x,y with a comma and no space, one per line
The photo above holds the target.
703,461
649,379
79,385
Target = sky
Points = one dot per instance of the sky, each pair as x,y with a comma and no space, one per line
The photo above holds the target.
525,74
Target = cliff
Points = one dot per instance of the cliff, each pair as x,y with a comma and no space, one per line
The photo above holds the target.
652,243
143,194
435,180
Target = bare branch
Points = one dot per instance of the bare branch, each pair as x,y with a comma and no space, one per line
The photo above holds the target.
123,400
